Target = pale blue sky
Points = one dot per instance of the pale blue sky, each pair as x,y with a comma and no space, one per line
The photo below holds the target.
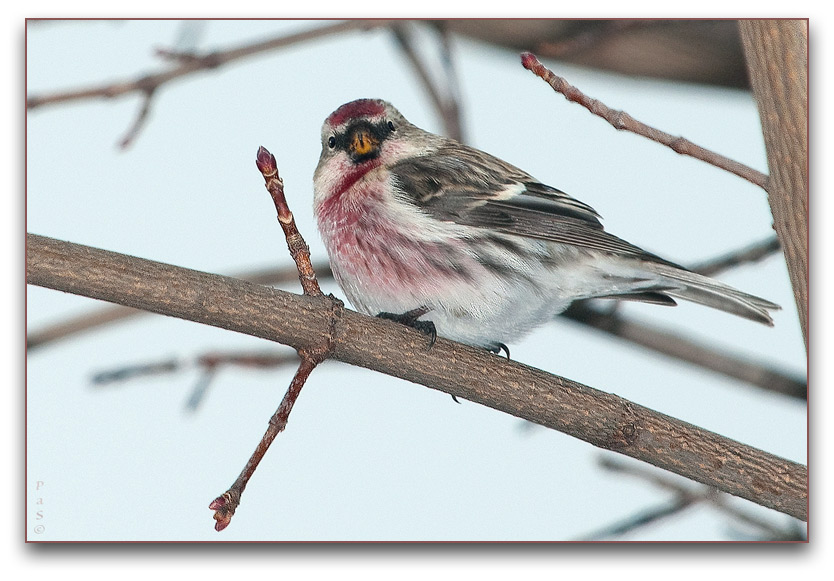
365,456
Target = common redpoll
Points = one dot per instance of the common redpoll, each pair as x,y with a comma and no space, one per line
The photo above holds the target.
422,226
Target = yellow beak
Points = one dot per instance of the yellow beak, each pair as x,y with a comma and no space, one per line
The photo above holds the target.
363,142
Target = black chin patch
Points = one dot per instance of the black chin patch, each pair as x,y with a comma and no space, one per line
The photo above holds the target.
378,131
357,159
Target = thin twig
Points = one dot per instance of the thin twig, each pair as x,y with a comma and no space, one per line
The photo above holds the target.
298,248
621,120
141,118
224,506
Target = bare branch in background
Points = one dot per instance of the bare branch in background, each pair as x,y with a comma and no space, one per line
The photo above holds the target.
196,64
187,64
445,97
700,51
622,121
136,371
584,39
685,496
141,118
650,516
672,344
208,364
747,255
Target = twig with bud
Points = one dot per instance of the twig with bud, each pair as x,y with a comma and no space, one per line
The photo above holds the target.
226,504
621,120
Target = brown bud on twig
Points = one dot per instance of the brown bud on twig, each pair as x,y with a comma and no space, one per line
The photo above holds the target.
299,250
226,504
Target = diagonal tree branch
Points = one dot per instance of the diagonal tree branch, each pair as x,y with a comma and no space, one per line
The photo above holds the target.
115,313
306,322
758,373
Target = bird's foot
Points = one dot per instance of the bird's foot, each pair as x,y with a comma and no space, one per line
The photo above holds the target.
410,319
498,347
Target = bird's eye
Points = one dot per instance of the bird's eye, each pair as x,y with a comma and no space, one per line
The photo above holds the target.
331,142
391,126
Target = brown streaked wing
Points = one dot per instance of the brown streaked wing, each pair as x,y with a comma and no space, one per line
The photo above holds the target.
452,179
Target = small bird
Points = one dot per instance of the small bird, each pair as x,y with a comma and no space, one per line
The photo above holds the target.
443,237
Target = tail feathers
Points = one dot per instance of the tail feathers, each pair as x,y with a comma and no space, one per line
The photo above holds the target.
711,293
652,297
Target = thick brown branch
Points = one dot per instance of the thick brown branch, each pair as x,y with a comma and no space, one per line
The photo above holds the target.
114,314
758,373
621,120
777,60
602,419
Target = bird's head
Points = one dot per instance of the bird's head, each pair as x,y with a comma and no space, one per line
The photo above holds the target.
363,130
